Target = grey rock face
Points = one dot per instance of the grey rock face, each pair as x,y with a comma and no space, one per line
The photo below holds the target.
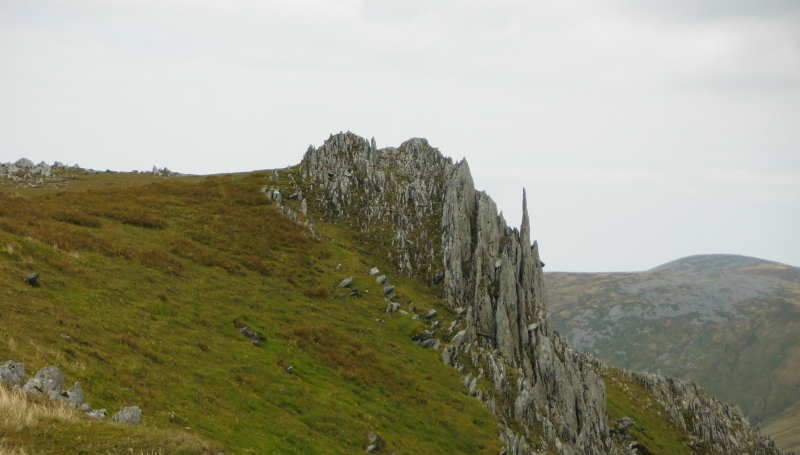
720,425
399,188
12,372
46,381
131,415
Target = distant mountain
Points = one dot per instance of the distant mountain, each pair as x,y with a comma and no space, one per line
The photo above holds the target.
729,322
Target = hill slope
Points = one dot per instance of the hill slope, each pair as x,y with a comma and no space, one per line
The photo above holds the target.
153,289
731,323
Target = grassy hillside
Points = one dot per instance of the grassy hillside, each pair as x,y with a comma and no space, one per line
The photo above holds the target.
145,282
785,428
729,323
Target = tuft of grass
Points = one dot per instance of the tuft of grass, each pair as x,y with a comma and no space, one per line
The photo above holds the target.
161,260
18,412
318,291
78,218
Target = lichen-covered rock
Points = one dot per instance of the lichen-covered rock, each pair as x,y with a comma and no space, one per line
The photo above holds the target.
12,372
46,381
131,415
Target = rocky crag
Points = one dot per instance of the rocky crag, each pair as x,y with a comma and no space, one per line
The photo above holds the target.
546,396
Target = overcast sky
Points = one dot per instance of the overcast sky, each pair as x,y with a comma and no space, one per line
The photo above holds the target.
642,133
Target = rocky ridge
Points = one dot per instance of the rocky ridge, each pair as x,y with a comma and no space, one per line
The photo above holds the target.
546,395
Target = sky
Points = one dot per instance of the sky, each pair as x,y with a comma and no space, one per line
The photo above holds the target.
642,131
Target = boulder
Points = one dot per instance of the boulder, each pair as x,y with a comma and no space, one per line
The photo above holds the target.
131,415
381,279
12,372
345,283
388,291
374,271
624,424
73,397
391,307
45,382
430,314
32,279
24,163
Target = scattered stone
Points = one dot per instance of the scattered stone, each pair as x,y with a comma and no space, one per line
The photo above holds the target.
379,321
354,292
86,407
254,336
32,279
304,207
374,442
12,372
388,291
430,314
339,267
415,317
289,369
624,424
131,415
427,340
434,324
391,307
100,414
374,271
382,279
45,382
453,326
345,283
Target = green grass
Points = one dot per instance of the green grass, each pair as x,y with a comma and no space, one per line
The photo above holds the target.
143,280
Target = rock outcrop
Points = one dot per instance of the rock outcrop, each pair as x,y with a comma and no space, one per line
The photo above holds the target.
546,395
